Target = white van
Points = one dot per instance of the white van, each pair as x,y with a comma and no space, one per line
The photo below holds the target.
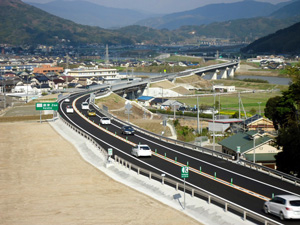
85,105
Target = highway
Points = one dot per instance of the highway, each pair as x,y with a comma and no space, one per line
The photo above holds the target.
248,189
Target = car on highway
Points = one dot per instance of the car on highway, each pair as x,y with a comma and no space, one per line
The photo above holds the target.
85,105
69,109
105,120
127,130
91,112
141,150
67,100
284,206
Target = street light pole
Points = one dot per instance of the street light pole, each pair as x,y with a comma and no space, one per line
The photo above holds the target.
259,108
198,131
214,122
27,89
253,149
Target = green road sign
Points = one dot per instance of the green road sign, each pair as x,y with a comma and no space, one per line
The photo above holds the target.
185,172
46,106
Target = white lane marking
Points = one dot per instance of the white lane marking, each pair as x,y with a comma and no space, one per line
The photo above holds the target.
192,185
215,165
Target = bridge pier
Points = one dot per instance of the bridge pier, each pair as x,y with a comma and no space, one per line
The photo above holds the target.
214,77
224,73
231,72
203,74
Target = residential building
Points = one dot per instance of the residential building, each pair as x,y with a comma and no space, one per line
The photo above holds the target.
253,146
44,69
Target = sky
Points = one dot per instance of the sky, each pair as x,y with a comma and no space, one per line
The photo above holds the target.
157,6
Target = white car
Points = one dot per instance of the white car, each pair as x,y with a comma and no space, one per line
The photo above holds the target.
69,109
105,120
284,206
67,100
141,150
85,105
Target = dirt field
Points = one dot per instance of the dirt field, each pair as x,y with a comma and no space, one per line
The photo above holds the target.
44,180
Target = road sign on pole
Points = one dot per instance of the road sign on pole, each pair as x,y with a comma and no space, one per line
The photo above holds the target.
110,151
46,106
185,172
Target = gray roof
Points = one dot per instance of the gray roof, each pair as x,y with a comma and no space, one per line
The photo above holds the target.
172,103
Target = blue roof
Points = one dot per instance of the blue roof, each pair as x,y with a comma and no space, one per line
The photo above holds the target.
145,98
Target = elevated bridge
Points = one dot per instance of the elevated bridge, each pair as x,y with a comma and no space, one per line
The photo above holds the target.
134,89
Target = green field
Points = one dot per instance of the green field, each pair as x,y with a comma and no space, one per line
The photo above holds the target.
230,103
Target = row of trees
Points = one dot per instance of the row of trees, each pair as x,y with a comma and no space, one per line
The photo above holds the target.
284,111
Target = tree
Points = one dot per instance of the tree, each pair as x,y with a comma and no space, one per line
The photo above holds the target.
280,110
284,112
288,160
252,111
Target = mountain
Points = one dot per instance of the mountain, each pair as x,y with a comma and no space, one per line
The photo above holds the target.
21,23
91,14
237,30
212,13
283,41
292,9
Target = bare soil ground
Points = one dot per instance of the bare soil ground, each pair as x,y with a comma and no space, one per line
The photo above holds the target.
44,180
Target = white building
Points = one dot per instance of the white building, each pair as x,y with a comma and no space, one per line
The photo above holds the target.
88,72
222,88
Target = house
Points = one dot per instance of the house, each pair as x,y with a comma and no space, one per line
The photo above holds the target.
253,146
170,104
157,102
257,122
48,69
145,100
222,125
222,88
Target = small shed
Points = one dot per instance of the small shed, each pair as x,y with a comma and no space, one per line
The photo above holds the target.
145,100
222,125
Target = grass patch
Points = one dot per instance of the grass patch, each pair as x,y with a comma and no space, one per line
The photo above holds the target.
230,103
24,118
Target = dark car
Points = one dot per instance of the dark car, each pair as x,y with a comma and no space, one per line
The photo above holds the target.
127,130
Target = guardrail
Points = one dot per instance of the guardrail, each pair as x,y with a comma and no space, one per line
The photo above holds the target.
224,156
197,192
194,191
271,172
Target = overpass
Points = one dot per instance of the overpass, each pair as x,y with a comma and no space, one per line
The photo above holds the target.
133,89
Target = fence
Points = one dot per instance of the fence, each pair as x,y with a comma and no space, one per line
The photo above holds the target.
221,155
194,191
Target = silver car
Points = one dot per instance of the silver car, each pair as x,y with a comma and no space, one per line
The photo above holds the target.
284,206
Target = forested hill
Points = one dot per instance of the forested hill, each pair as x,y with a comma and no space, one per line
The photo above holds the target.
283,41
21,23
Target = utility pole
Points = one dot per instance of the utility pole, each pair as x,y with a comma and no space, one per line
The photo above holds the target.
219,104
198,131
27,88
67,67
259,108
106,56
239,106
214,122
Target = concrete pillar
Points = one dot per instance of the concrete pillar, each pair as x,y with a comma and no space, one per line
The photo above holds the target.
203,74
224,73
214,77
231,72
